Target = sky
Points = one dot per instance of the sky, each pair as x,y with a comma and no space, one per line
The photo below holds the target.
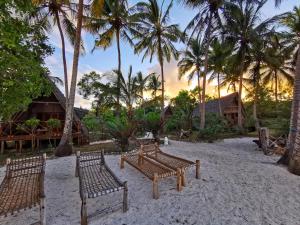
103,61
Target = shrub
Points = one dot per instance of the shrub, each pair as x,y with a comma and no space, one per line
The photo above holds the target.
153,123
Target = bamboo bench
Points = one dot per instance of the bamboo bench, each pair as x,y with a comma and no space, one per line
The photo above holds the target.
96,179
23,186
153,152
151,169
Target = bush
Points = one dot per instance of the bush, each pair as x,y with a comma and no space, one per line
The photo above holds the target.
153,123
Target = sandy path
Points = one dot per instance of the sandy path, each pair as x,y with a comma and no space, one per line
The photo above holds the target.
238,185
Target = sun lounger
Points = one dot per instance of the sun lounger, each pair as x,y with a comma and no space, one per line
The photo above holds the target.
96,179
23,186
151,169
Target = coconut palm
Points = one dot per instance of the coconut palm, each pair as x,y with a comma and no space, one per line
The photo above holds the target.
191,63
158,36
218,57
56,12
65,148
142,83
116,22
154,85
242,26
205,23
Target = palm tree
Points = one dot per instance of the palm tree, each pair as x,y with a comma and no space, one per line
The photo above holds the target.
65,148
57,12
157,36
218,57
242,24
142,83
115,22
154,85
191,63
207,20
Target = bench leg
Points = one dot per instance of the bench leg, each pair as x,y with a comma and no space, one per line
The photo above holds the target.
83,213
183,178
197,169
179,182
155,186
125,197
42,211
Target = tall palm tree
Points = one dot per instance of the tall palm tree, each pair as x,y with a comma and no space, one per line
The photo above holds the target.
218,57
57,12
142,83
292,157
207,20
157,36
117,22
191,63
65,148
154,85
242,24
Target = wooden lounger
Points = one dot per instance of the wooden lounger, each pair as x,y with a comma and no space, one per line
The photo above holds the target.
154,152
96,179
153,170
23,186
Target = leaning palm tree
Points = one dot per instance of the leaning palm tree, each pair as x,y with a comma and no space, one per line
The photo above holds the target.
218,57
57,13
191,63
205,23
154,85
115,22
157,36
65,148
242,24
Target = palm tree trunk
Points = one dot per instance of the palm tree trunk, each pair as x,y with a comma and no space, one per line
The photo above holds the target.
241,77
119,70
293,153
208,36
219,96
160,58
199,91
65,148
63,51
255,84
276,93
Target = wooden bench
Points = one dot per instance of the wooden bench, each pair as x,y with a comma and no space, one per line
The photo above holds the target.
153,152
96,179
151,169
23,186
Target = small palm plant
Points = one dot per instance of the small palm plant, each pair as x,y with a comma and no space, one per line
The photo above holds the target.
52,125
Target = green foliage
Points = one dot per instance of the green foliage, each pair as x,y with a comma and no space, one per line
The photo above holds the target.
31,124
23,49
153,123
53,123
91,122
214,127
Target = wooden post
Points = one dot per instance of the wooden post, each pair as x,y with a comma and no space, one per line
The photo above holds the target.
179,182
21,146
77,164
197,169
43,211
155,186
140,158
122,162
183,180
2,147
84,213
38,143
125,197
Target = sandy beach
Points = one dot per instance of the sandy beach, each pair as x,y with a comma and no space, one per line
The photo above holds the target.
238,186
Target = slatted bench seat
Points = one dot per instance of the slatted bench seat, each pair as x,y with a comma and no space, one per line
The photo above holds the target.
96,179
23,186
153,152
153,170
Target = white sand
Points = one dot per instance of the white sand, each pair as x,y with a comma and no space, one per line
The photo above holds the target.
238,185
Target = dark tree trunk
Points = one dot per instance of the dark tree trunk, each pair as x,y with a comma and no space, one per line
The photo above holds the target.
119,70
219,96
276,93
199,91
65,148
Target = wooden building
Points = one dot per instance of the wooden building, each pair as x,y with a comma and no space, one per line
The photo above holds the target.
229,108
42,108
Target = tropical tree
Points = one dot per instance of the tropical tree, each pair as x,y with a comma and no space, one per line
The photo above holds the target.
218,57
53,12
116,21
65,148
205,23
154,85
142,82
242,25
190,64
157,36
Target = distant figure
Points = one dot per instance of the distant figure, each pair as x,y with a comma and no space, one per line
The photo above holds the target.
166,141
